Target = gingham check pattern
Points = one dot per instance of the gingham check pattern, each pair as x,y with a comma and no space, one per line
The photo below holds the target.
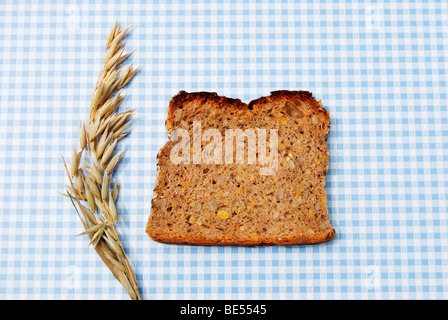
379,68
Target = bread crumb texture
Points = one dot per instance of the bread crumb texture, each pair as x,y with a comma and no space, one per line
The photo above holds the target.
233,204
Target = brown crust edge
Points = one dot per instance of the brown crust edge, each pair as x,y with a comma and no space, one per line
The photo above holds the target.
182,97
178,239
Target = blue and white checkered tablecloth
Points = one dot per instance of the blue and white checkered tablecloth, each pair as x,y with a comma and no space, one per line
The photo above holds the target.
379,68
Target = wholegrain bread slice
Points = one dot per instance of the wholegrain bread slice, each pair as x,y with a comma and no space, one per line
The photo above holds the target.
233,203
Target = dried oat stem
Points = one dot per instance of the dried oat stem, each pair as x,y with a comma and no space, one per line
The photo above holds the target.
92,190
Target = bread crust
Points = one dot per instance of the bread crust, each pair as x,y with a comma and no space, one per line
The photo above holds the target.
178,102
202,97
180,239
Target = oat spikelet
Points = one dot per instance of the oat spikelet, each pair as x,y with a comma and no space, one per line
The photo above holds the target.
115,191
90,190
114,162
105,187
107,153
82,135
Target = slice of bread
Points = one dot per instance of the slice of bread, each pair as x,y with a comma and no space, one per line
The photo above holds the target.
202,202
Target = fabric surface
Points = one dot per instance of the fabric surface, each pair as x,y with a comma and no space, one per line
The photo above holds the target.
378,67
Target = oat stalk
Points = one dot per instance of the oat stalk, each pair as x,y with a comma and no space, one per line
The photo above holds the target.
92,191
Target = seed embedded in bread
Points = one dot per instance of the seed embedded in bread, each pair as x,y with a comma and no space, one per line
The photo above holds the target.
203,203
